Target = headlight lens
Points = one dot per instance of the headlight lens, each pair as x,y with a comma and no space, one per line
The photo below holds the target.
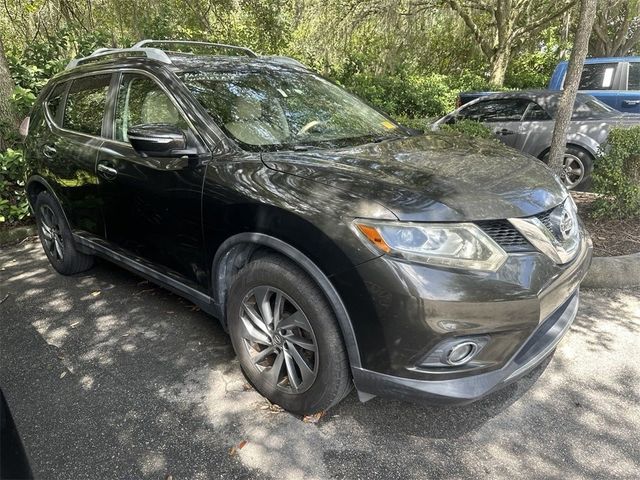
459,245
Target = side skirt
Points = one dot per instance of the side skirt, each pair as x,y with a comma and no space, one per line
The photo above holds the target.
140,267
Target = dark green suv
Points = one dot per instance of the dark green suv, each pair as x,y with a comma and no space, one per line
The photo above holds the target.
336,246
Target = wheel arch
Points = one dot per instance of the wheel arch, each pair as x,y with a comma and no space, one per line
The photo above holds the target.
239,249
589,149
35,186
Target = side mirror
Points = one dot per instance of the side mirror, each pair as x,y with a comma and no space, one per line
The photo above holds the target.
159,140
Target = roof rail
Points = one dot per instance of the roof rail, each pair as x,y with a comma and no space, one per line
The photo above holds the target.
113,53
157,44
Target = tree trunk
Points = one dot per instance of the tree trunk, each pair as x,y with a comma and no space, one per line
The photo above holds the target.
8,119
499,64
565,108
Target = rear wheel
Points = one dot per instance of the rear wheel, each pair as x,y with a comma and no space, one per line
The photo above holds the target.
286,337
56,238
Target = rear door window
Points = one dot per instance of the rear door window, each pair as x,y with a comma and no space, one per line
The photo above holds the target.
85,105
497,110
598,76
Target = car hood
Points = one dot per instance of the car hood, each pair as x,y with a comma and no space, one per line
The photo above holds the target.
432,177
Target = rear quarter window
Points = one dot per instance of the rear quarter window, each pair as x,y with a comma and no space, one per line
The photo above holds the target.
85,105
634,76
53,103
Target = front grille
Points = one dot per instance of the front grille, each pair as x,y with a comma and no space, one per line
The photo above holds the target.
505,235
508,237
545,218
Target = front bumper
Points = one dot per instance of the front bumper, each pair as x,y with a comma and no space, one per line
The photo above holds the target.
469,389
526,308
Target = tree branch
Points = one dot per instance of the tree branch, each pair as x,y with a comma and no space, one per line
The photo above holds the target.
531,27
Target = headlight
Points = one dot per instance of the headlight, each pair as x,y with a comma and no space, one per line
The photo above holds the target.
457,245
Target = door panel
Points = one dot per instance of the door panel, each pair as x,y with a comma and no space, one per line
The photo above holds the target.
501,115
70,148
152,206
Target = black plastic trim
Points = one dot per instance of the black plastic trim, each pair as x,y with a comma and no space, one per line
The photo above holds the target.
219,272
204,301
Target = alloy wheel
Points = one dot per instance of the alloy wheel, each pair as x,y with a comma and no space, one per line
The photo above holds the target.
51,234
573,170
279,339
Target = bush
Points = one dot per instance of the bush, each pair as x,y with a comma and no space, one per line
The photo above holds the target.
470,128
411,95
13,199
617,174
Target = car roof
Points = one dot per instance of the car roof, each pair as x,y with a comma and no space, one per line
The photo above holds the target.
595,60
181,55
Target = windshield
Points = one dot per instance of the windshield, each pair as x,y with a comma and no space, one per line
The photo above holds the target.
286,109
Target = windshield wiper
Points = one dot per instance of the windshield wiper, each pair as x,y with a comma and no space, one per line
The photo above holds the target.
382,138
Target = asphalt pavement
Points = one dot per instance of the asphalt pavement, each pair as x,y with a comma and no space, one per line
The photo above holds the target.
108,376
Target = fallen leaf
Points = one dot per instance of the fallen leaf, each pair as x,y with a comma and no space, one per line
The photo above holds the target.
246,387
234,450
314,418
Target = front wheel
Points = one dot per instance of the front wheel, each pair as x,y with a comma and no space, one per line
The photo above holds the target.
286,337
577,167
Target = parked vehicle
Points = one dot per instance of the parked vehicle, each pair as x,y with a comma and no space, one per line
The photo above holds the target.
612,80
524,120
335,246
465,97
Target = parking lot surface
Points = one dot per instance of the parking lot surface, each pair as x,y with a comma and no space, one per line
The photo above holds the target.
108,376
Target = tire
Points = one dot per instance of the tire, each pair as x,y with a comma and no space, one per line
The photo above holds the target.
579,159
305,322
56,238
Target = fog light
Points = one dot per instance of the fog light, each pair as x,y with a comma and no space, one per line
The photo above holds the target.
462,353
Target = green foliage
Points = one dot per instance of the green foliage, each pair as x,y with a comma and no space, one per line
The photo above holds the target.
413,95
13,200
470,128
617,174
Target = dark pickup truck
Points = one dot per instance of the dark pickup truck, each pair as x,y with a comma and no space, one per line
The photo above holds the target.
612,80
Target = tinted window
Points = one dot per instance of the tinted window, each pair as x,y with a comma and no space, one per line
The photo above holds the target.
141,101
598,76
535,113
499,110
54,101
634,76
85,105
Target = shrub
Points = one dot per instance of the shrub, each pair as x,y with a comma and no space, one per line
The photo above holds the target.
470,128
617,174
411,95
13,200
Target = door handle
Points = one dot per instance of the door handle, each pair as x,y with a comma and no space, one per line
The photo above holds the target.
631,103
504,131
107,172
48,151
